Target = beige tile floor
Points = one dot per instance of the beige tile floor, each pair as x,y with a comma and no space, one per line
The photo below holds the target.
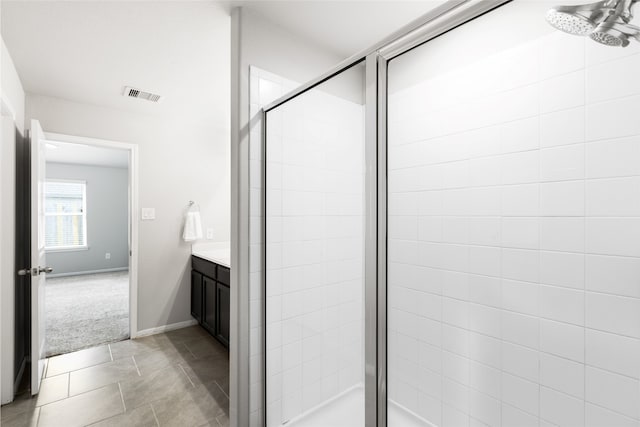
179,378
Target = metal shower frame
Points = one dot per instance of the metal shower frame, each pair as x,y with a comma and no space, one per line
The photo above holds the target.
440,20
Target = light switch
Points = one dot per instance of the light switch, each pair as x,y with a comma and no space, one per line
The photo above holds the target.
210,233
148,214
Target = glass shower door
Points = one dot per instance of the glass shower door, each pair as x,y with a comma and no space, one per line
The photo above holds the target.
314,255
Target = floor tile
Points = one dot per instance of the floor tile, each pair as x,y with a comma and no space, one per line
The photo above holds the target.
180,411
53,389
211,397
78,360
25,419
184,374
205,347
223,420
83,409
205,370
186,334
158,359
128,348
163,383
138,417
98,376
23,403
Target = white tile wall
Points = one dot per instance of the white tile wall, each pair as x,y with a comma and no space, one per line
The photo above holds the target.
263,88
314,248
514,235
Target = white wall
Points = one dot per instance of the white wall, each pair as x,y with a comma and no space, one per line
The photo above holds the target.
179,160
107,199
12,91
255,42
13,98
272,48
514,254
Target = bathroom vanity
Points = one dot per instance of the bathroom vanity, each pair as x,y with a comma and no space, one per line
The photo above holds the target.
210,292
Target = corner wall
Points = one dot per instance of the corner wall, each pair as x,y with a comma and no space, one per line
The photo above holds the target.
255,42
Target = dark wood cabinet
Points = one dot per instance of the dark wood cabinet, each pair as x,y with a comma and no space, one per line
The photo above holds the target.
210,297
223,301
196,295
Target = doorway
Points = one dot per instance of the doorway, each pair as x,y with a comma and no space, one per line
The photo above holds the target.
86,238
90,232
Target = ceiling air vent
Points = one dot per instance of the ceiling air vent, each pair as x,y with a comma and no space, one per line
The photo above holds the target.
137,93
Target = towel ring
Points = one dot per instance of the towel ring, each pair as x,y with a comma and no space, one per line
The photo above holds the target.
193,205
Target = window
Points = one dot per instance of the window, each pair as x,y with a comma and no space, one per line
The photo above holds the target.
66,216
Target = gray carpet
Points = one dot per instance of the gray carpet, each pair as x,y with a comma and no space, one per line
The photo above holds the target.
85,311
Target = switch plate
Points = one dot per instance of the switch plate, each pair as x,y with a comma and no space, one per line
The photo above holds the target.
107,255
148,214
210,233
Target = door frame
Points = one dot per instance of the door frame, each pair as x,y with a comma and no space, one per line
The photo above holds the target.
132,149
7,290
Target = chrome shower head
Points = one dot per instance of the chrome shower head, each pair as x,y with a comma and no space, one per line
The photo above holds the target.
606,22
615,34
572,24
609,35
615,30
578,20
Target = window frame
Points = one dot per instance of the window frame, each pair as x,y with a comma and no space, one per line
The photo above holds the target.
70,248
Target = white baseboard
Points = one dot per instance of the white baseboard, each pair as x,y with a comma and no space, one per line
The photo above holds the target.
165,328
82,273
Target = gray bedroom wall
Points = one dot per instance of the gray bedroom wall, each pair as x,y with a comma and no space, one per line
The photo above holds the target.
107,211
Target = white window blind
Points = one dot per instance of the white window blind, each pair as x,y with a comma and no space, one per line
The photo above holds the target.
65,213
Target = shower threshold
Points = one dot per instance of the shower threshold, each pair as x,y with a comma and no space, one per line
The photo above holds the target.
347,410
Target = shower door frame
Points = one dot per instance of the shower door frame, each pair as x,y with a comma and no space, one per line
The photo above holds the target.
438,21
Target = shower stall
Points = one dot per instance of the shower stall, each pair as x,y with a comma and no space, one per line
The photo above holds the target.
451,226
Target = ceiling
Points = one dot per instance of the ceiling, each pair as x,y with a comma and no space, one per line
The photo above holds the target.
87,51
344,27
81,154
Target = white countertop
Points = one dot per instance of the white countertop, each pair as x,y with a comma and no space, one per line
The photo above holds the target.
218,252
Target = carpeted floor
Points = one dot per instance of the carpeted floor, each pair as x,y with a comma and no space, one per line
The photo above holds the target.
85,311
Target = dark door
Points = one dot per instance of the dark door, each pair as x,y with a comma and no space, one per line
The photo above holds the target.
223,297
196,295
209,295
22,259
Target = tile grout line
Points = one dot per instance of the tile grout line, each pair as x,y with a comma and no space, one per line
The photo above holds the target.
189,350
187,375
221,389
153,411
124,405
136,365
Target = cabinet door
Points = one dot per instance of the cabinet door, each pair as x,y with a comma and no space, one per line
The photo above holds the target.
196,295
224,305
209,295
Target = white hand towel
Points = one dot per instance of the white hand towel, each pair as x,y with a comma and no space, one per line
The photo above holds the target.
192,227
